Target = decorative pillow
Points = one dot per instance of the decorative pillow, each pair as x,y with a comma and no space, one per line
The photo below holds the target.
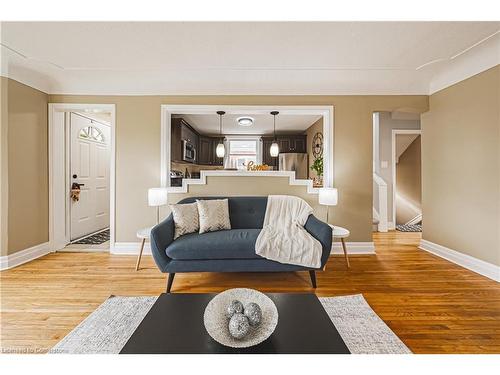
185,218
214,215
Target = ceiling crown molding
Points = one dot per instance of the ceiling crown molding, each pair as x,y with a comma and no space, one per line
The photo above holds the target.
449,61
478,58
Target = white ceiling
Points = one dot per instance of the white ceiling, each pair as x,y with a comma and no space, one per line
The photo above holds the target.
143,58
263,124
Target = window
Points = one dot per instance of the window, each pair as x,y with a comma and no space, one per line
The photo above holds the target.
92,134
242,151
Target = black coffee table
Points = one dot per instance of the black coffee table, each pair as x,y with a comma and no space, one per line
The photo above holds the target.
174,325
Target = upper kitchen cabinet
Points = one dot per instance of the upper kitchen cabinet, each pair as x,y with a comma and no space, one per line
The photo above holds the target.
298,143
287,143
292,143
206,151
184,141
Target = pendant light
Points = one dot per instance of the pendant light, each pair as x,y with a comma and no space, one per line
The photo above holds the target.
220,151
274,150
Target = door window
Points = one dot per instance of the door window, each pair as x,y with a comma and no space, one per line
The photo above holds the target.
91,133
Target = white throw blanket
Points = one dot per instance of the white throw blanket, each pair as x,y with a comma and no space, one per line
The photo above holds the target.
283,237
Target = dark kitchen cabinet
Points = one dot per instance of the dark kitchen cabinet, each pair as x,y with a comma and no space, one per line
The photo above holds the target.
206,151
287,143
298,143
188,133
292,143
175,140
181,131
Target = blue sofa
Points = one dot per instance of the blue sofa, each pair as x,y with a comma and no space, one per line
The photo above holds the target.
227,250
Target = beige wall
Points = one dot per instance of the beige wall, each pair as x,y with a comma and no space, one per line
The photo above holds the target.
251,186
409,182
27,157
317,127
4,174
138,150
461,167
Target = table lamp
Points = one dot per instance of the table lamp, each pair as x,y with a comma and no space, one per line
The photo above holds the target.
157,197
328,197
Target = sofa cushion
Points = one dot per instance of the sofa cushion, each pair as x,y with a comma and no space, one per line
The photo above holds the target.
225,244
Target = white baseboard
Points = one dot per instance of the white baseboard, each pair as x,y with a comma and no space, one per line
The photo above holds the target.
354,248
130,248
24,256
481,267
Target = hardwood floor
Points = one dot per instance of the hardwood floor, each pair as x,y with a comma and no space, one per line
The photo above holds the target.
433,305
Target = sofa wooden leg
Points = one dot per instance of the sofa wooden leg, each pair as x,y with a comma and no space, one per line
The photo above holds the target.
312,274
170,281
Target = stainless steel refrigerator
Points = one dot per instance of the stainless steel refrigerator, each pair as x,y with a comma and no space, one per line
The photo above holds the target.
294,162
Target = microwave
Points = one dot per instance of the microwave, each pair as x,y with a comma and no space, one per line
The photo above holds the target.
188,151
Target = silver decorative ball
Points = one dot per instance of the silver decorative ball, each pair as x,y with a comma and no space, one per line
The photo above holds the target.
253,313
238,326
234,307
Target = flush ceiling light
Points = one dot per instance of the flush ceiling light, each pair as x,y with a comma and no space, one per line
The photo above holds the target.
245,121
220,151
274,150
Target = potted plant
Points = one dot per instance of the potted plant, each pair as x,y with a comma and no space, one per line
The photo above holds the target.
317,166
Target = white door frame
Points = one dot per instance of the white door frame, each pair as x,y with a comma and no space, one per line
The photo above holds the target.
59,213
327,112
393,156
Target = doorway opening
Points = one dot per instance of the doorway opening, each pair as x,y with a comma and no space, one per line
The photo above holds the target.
407,180
397,186
81,177
303,136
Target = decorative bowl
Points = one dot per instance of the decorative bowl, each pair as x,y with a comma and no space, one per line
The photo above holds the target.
217,324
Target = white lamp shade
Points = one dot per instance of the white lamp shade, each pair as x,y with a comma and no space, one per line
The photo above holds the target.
274,150
328,196
157,196
220,151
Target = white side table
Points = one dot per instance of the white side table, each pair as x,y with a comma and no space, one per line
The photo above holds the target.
341,233
144,235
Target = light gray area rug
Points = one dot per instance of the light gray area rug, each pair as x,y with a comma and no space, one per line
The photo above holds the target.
360,327
109,327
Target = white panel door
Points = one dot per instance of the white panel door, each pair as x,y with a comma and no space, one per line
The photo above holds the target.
89,167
